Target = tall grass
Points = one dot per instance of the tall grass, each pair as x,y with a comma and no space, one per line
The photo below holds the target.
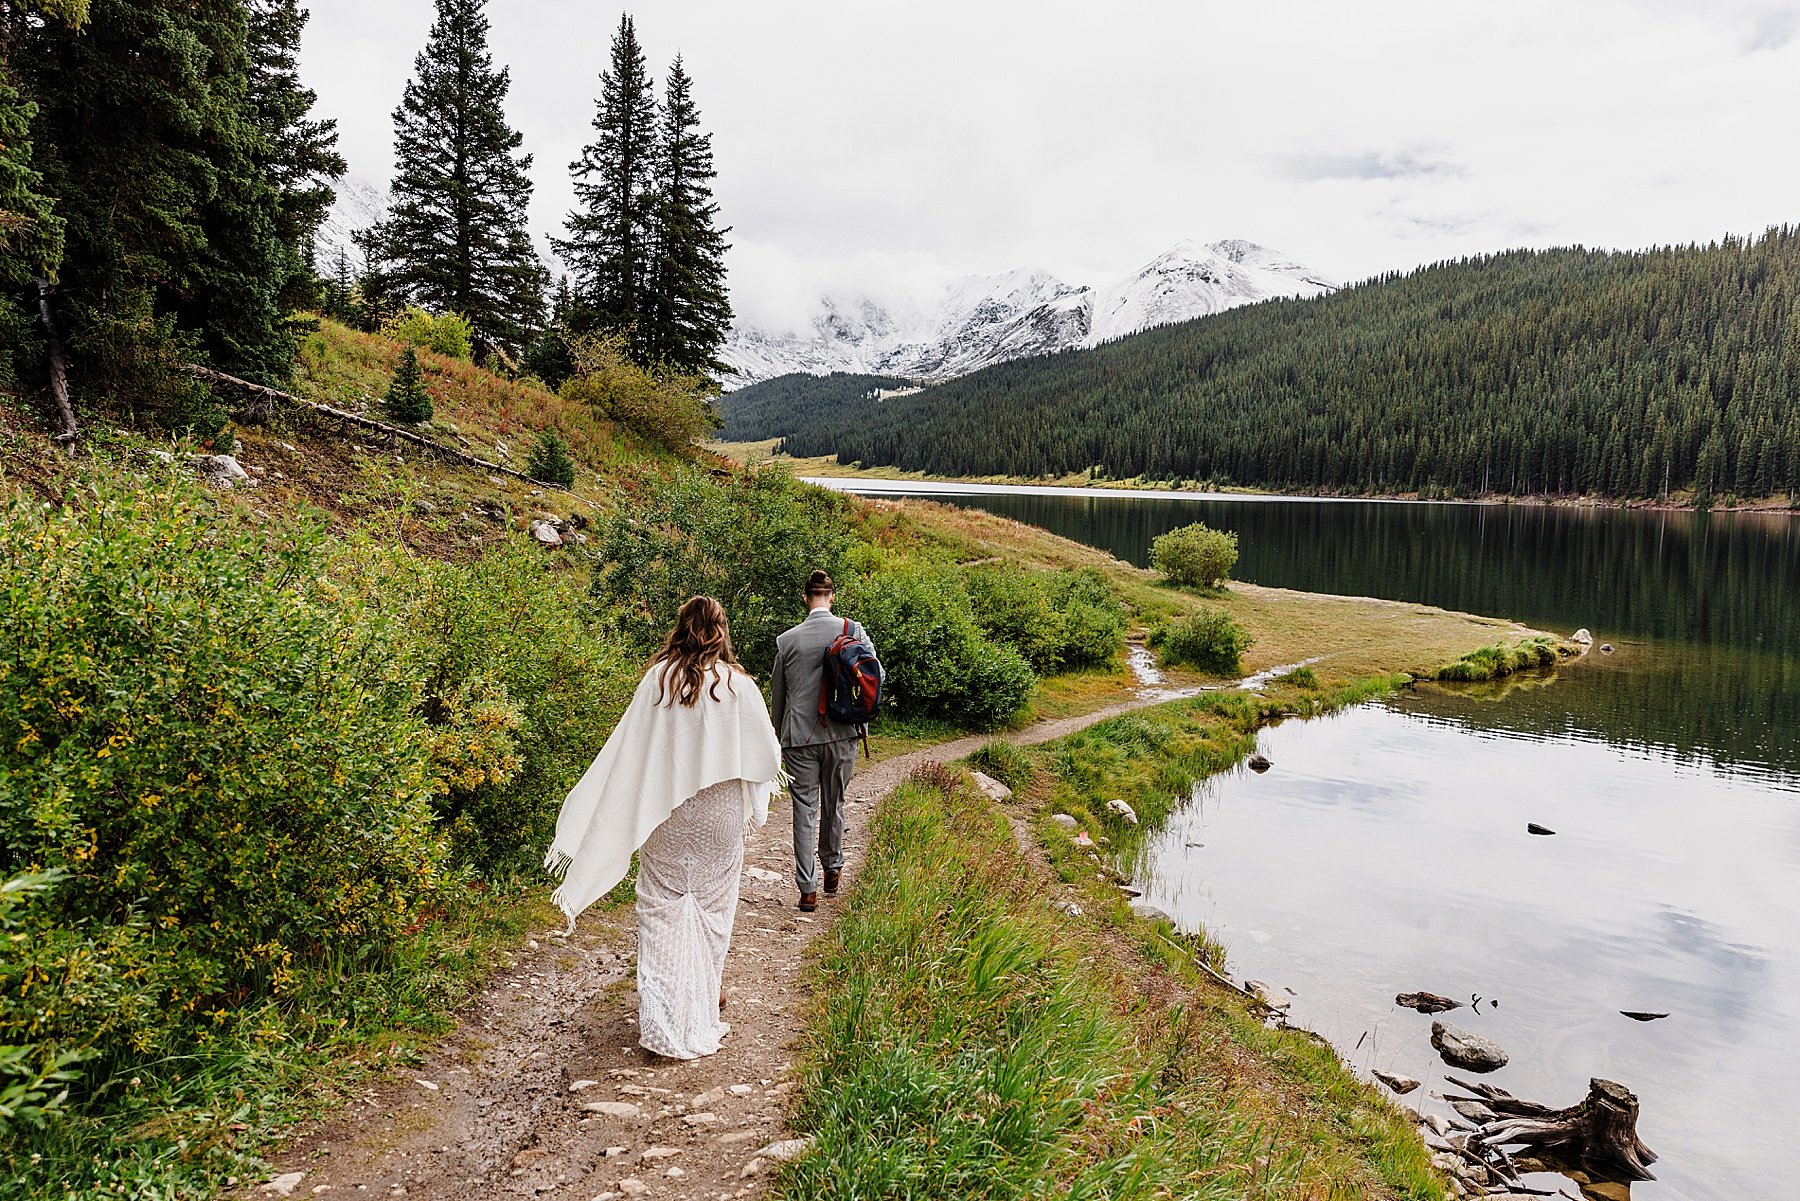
1501,659
969,1041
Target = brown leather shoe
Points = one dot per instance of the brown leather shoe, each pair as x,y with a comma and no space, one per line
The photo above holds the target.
809,901
831,882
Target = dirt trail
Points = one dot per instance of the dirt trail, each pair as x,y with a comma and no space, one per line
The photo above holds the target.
504,1106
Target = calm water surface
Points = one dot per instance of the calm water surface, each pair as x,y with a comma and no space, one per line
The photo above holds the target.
1387,851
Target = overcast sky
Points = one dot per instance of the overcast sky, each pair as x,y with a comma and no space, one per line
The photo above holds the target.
879,146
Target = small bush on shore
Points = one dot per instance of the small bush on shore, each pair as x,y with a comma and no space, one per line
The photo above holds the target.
1195,556
1501,659
448,334
1211,640
1056,620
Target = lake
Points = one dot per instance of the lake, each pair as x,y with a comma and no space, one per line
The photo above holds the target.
1387,852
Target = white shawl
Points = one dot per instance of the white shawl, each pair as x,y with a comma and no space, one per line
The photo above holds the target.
658,756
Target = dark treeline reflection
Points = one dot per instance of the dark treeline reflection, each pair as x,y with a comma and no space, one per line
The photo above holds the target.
1706,607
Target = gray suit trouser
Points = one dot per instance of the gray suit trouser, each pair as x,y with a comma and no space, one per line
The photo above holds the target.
821,772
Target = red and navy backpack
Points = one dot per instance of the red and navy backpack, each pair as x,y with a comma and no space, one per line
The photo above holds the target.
851,690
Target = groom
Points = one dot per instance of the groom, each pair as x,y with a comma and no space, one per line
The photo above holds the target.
820,753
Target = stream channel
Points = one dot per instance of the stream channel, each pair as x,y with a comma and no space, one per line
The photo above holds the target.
1387,851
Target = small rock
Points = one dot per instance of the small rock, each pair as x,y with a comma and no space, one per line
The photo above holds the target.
709,1098
737,1136
163,456
1259,763
1082,839
578,1085
1534,828
615,1152
763,875
740,1090
787,1149
1064,820
1640,1016
527,1158
614,1109
546,533
753,1167
1461,1049
283,1185
1122,811
1439,1126
1267,997
428,1085
1606,648
1583,637
1151,913
674,1173
222,470
496,480
1426,1002
655,1153
702,1119
1400,1084
992,788
1475,1111
631,1186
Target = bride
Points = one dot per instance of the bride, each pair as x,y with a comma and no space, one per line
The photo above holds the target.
689,768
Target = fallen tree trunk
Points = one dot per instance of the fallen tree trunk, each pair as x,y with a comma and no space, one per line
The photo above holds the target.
1597,1136
267,394
59,365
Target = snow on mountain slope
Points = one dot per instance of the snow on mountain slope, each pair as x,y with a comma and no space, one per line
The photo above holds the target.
359,205
980,320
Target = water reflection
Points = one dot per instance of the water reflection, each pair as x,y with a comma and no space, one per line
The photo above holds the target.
1387,852
1705,608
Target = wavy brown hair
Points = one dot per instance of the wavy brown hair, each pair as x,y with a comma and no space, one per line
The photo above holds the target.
700,641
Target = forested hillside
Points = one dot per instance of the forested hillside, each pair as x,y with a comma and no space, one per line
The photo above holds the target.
1563,372
769,409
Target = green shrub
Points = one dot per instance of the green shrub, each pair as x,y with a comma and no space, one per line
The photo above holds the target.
1056,620
407,400
667,408
1300,677
938,661
1211,640
1092,619
448,334
518,688
1006,761
748,540
549,461
210,739
1195,556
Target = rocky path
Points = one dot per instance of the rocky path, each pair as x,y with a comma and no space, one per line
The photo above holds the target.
542,1090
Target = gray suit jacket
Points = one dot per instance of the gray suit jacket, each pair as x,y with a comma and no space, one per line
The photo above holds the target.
800,673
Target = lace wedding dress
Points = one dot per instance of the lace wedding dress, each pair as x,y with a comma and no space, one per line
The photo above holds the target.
687,890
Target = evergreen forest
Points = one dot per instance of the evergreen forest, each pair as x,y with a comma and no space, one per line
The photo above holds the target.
1565,372
763,410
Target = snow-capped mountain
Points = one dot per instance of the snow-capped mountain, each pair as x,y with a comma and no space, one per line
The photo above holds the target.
359,205
980,320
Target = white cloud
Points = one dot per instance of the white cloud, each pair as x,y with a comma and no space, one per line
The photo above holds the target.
887,146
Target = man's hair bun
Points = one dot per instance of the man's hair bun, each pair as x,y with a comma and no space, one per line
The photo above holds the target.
819,584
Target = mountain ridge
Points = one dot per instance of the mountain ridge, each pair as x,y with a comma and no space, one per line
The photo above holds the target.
978,321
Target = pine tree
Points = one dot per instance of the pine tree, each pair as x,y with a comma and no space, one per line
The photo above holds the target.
297,154
456,239
407,400
688,310
548,356
608,248
146,140
549,461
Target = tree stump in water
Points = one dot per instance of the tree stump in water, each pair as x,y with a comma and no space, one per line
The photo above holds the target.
1598,1136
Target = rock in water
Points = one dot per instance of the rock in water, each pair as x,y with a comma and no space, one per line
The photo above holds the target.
1639,1016
1606,648
1461,1049
1583,636
1534,828
992,788
1259,764
1122,811
1400,1084
1151,913
1426,1002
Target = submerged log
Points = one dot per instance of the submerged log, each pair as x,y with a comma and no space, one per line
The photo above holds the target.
1597,1136
1426,1002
